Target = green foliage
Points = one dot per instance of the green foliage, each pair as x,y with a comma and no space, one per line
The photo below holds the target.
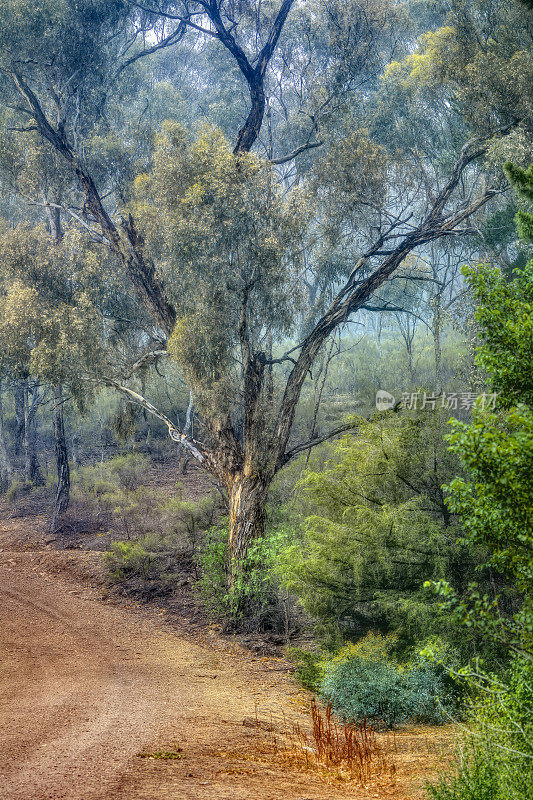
496,504
163,535
522,181
476,777
379,527
254,601
504,312
495,760
129,559
363,682
497,510
16,488
115,486
309,667
224,231
480,54
50,326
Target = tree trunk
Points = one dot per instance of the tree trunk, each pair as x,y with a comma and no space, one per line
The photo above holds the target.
18,396
61,452
6,470
183,454
32,470
437,346
247,494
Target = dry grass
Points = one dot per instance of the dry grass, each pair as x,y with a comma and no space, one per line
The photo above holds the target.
346,752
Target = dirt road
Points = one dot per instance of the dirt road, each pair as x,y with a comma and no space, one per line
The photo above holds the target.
88,688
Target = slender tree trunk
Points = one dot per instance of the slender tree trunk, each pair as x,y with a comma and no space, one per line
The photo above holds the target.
18,396
54,221
183,455
437,345
6,470
61,452
32,470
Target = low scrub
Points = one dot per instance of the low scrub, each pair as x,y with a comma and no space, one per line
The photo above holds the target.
495,758
363,682
141,567
256,602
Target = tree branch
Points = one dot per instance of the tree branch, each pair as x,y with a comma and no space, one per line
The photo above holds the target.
196,448
355,293
301,149
148,358
173,38
300,448
128,248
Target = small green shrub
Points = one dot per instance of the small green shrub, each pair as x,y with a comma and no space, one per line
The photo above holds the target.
212,584
495,758
363,682
309,667
129,559
142,567
476,777
188,520
255,601
16,488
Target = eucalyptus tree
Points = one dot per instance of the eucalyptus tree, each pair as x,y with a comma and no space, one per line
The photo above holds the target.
209,236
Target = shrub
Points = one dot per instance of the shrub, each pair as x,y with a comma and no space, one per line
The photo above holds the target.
476,777
128,559
125,472
189,520
363,682
309,667
16,488
212,560
142,567
495,760
255,602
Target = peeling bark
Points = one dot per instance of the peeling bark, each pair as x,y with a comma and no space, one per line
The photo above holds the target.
247,493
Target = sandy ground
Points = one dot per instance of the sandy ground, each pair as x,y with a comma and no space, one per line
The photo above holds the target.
89,686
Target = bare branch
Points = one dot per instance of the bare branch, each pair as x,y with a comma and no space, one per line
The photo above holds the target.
194,447
173,38
148,358
355,293
300,448
301,149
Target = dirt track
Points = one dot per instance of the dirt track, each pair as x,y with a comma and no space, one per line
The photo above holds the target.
87,686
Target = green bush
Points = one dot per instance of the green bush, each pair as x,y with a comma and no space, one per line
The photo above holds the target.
371,526
476,777
363,682
309,667
495,760
212,560
16,488
142,567
255,602
121,472
129,559
189,520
